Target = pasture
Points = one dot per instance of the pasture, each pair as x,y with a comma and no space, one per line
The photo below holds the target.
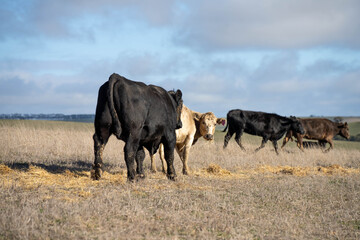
46,191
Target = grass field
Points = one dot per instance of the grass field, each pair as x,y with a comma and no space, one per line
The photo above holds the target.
46,191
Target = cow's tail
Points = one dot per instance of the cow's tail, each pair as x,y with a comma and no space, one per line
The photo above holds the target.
115,119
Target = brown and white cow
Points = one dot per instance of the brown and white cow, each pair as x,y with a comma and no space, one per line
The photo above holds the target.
320,129
194,126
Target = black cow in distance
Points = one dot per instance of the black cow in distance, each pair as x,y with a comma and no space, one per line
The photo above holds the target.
267,125
142,116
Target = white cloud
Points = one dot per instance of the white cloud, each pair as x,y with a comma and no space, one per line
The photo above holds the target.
271,24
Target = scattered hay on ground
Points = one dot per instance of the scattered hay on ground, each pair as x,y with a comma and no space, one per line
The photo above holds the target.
217,170
68,185
5,169
334,169
214,171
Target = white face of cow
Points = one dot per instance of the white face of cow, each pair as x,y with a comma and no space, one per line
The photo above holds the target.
207,124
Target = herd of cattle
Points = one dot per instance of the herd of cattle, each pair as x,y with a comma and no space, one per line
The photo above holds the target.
147,116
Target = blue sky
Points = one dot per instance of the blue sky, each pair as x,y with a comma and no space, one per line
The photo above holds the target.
294,57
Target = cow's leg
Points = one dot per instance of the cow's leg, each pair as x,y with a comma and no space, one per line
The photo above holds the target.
185,159
169,157
130,150
180,149
322,144
238,139
287,137
275,146
300,143
153,165
162,158
185,154
228,137
140,156
100,139
263,142
331,145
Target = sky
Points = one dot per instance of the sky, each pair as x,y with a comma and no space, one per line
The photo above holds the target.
293,57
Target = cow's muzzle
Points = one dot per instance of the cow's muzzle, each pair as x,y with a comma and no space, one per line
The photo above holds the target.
209,137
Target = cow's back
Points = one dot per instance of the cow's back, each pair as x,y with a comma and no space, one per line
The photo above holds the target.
146,107
255,123
317,128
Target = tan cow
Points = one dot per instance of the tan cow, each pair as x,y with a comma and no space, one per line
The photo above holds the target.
194,126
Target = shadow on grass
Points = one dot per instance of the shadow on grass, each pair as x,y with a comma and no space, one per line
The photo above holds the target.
77,166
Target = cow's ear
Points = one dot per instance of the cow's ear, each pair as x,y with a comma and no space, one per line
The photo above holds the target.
178,95
196,116
220,121
343,125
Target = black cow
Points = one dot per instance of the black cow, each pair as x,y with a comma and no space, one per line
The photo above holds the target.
267,125
142,116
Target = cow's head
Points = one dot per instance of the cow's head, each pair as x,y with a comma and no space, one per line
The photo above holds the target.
177,96
206,123
344,130
296,125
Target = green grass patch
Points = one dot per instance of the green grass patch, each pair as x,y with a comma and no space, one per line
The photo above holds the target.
354,128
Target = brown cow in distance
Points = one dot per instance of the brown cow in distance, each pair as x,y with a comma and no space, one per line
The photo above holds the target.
194,126
320,129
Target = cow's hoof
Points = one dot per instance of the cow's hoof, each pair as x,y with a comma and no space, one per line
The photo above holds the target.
171,177
140,176
185,172
153,170
131,180
96,173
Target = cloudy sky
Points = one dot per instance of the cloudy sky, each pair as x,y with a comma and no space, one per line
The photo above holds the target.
293,57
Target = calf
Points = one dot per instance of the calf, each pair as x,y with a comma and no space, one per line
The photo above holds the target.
194,126
267,125
320,129
142,116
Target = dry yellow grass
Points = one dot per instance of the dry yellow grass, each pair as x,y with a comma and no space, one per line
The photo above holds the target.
47,192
